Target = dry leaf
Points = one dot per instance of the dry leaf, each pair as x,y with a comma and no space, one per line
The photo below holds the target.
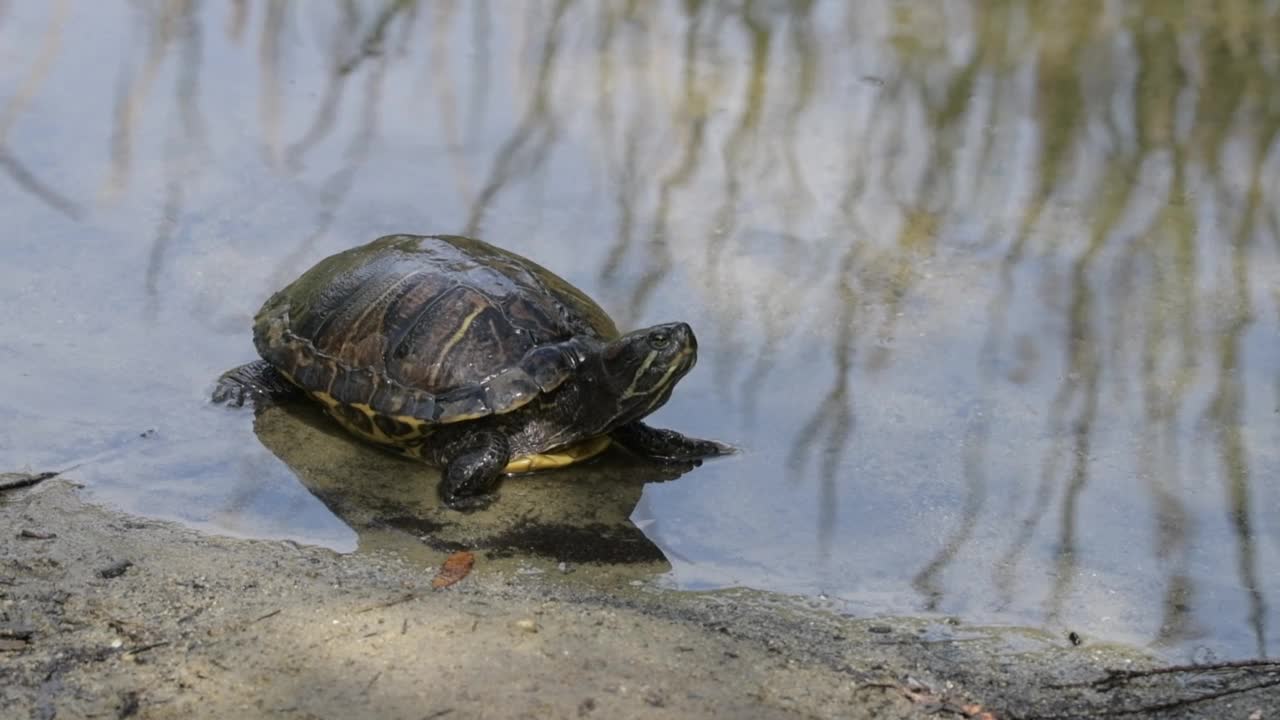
455,567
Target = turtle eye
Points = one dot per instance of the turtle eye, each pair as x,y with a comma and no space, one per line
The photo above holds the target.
659,340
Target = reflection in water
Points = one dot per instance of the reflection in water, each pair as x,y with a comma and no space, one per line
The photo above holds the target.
176,24
928,581
24,178
1225,422
1001,272
17,103
576,517
334,188
522,154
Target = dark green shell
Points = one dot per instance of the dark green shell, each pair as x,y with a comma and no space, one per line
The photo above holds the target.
425,330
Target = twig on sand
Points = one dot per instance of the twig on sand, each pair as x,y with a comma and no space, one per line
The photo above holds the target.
1115,677
1159,707
15,631
144,648
1126,678
260,618
391,602
13,481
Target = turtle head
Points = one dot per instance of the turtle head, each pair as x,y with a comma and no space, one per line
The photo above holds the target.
641,368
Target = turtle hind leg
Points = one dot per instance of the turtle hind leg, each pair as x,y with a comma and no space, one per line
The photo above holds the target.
667,444
257,382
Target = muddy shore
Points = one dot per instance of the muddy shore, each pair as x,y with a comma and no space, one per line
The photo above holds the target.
108,615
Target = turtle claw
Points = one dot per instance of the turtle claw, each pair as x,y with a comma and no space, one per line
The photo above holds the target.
715,448
230,393
470,503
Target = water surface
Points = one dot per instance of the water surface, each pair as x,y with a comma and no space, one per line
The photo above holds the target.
986,294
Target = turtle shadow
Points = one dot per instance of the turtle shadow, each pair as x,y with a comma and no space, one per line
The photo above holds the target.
580,514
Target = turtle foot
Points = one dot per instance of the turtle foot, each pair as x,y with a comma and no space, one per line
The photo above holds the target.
256,383
669,445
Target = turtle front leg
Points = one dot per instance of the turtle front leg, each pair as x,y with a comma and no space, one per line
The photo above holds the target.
257,382
666,444
472,464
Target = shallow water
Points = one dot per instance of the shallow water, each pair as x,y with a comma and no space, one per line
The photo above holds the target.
988,297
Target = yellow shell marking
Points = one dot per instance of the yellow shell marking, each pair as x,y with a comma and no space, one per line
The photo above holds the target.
331,405
457,337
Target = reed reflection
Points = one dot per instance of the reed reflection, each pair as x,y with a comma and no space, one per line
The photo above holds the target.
13,107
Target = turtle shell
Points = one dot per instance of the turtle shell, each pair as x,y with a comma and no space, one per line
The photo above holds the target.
424,330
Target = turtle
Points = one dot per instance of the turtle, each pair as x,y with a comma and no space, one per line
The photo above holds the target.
469,357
